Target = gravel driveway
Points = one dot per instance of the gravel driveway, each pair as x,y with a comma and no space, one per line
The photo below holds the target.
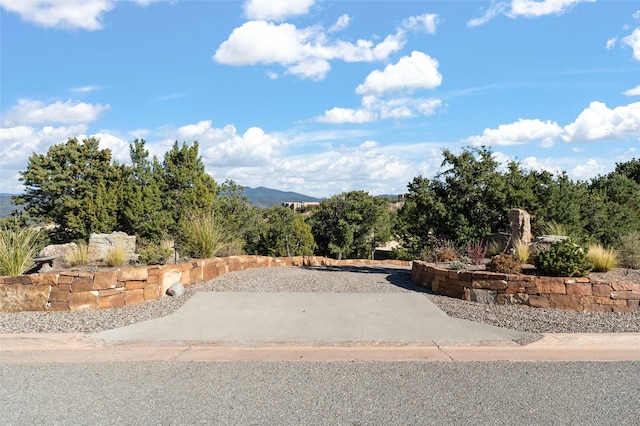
361,279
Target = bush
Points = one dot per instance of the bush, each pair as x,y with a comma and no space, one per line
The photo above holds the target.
495,248
446,251
399,253
629,249
115,256
603,259
476,252
156,254
522,250
18,247
564,259
504,264
79,255
456,265
203,237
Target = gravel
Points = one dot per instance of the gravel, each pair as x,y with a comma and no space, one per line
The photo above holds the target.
361,279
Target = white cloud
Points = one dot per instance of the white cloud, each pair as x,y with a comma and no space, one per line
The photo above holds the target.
374,108
598,122
611,43
418,71
633,41
305,52
520,132
525,8
632,92
83,15
341,24
85,89
276,10
224,147
347,115
29,111
427,23
587,170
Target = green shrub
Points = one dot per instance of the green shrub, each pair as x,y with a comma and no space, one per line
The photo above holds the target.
629,249
18,247
399,253
79,255
603,259
203,237
564,259
456,265
115,256
155,254
504,264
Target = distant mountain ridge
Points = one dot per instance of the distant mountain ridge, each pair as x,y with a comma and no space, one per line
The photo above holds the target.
260,197
267,197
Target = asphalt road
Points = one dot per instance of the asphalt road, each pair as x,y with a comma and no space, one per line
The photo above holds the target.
321,393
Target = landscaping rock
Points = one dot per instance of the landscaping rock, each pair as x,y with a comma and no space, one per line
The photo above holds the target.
176,290
58,252
99,245
520,225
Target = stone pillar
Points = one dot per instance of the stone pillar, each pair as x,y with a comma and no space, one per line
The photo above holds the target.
520,225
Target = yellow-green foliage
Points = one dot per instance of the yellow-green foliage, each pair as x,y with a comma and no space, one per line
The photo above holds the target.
504,264
522,250
78,255
204,237
494,248
115,256
603,259
17,250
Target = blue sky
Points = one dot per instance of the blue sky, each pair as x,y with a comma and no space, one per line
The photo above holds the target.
321,97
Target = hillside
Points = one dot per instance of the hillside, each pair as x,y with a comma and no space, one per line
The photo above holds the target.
261,197
267,197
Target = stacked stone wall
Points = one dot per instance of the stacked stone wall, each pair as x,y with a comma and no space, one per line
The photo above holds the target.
75,291
570,293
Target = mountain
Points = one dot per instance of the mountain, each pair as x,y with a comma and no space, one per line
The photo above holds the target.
5,205
261,197
267,197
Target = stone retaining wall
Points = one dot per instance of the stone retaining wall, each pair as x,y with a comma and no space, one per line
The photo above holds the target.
64,291
578,294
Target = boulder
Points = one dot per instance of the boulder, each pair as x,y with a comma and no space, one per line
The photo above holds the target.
99,245
57,254
520,225
176,290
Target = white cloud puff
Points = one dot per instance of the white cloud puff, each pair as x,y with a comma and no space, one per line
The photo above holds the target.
276,10
225,147
525,8
633,41
418,71
520,132
427,23
635,91
29,111
598,122
84,15
374,108
305,52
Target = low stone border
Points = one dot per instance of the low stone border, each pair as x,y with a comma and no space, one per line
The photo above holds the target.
73,291
577,294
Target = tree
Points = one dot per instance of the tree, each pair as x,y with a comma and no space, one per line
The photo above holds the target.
238,216
466,201
286,233
142,207
75,186
189,189
350,224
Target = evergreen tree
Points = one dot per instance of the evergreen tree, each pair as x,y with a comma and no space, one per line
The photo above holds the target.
75,186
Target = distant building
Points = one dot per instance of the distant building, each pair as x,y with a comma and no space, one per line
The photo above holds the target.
302,205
